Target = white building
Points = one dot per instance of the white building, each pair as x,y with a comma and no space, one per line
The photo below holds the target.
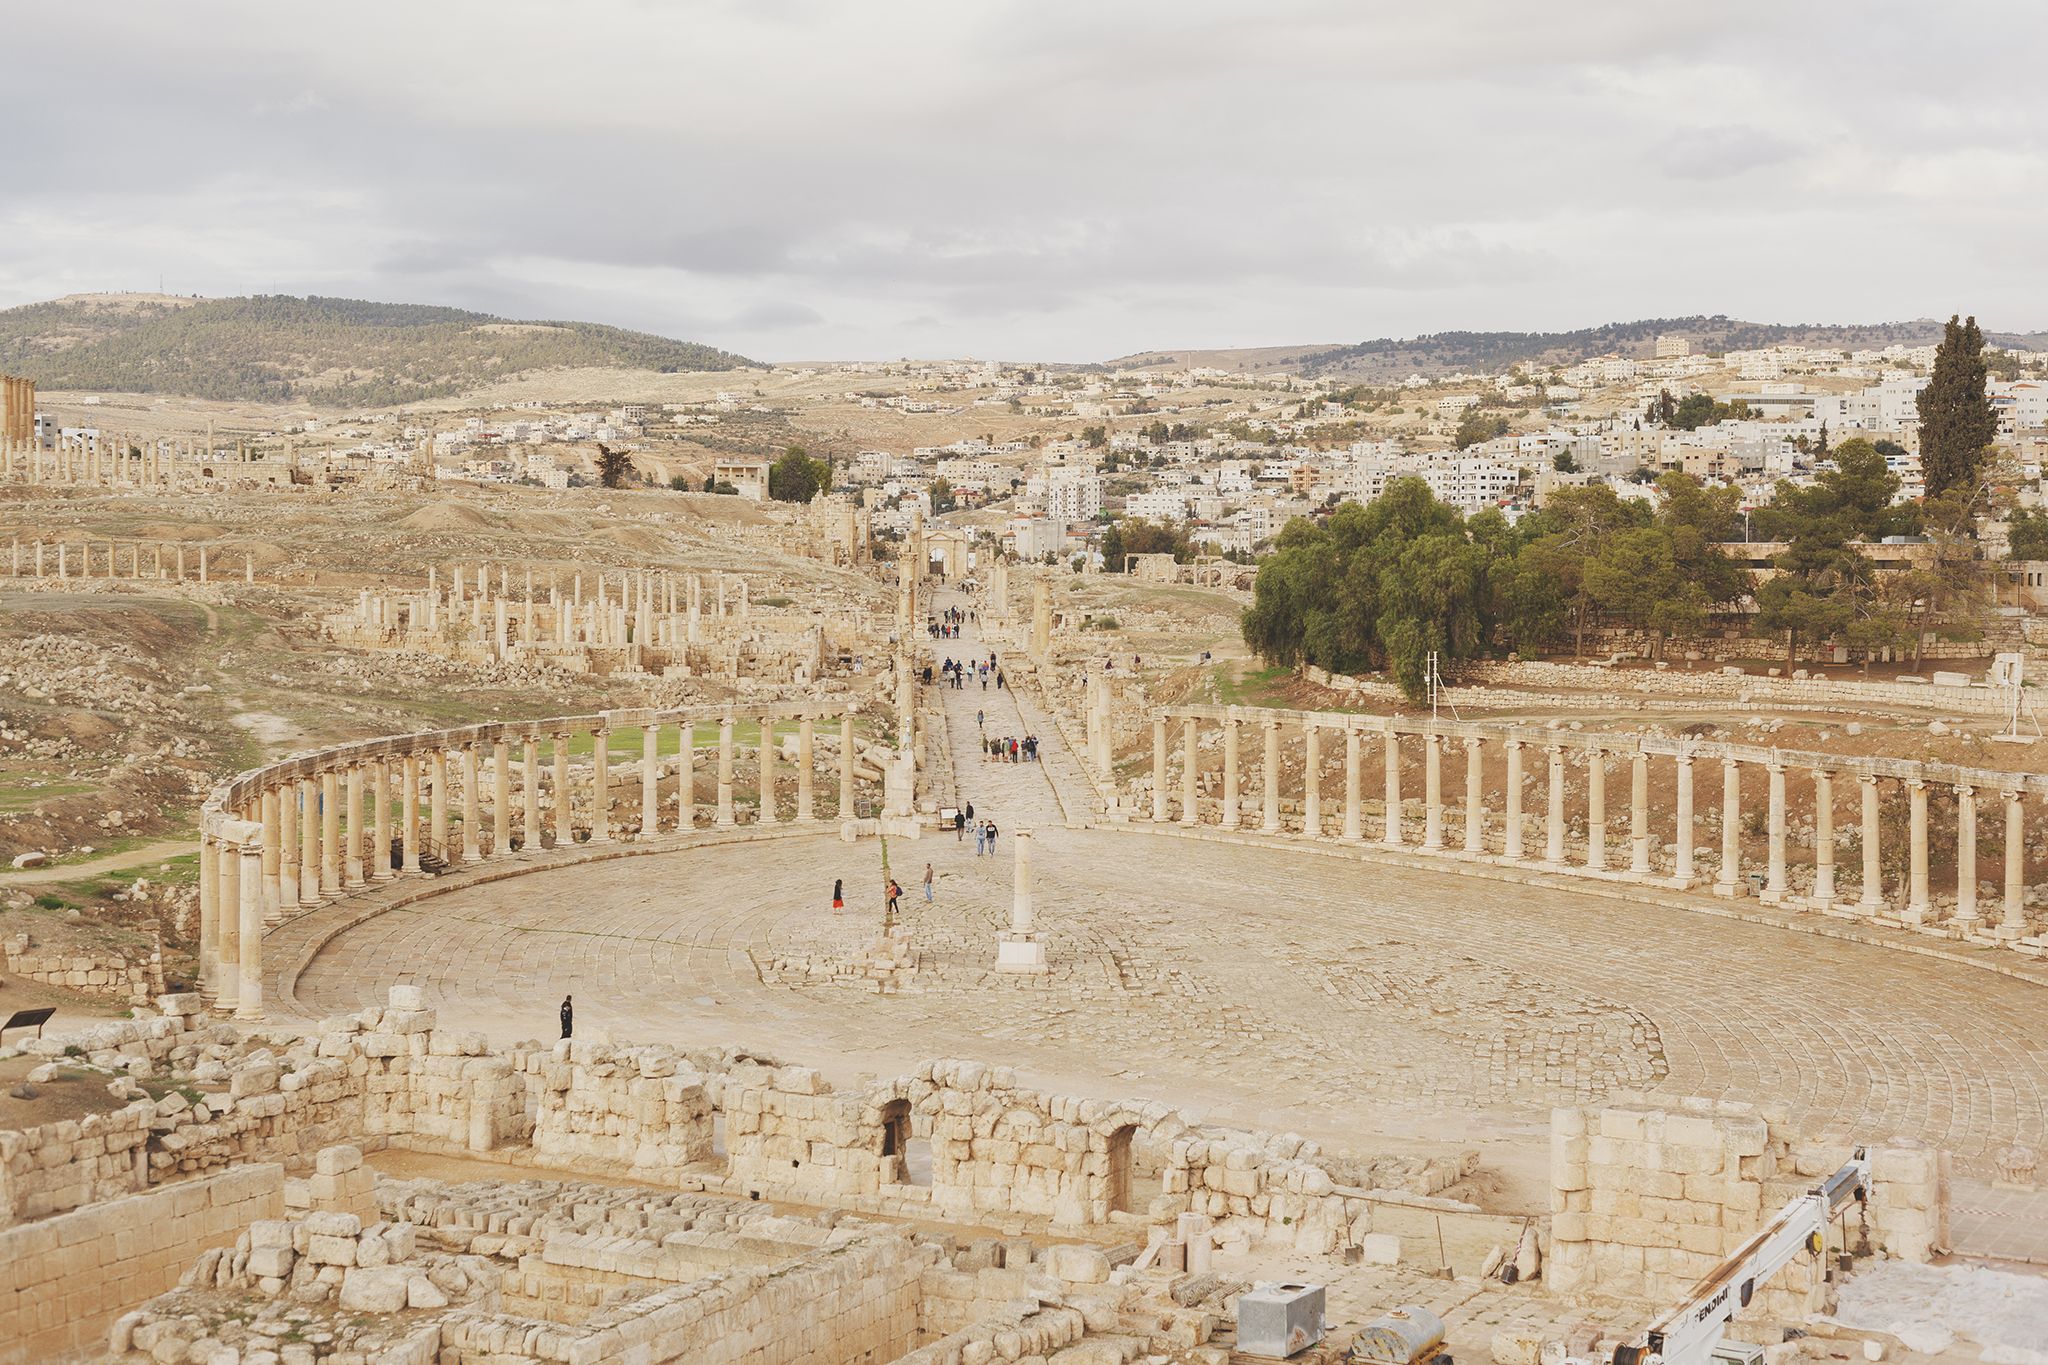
1072,495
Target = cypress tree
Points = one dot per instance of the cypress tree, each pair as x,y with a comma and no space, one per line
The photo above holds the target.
1957,424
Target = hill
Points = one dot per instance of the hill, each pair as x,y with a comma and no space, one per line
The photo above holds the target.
340,352
1392,358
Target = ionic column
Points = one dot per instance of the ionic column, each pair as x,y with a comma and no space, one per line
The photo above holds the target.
2012,921
1228,818
380,821
1311,778
1475,796
228,972
1511,835
1872,895
409,811
805,810
686,775
437,807
565,816
725,818
1354,782
1823,836
601,786
1432,792
846,806
1270,775
249,998
1917,900
1553,846
1190,739
1774,883
1966,858
529,792
766,774
209,916
1596,808
1639,813
1158,769
273,861
501,796
650,777
311,854
472,806
1729,880
1390,835
1684,856
352,842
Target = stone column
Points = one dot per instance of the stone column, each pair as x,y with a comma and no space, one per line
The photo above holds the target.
501,796
1432,792
1191,753
1511,834
249,998
472,806
312,858
650,778
846,801
1683,842
352,842
228,974
686,774
1823,837
1228,819
1729,881
1872,895
1639,813
1475,796
1553,846
806,812
1917,901
1390,834
725,817
409,811
1354,784
1774,882
209,916
273,861
1021,950
437,807
287,797
1966,858
1311,778
1596,808
565,800
380,821
2012,921
1270,773
529,792
1158,769
601,786
765,762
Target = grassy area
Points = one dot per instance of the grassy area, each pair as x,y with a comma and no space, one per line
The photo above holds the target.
19,791
1252,687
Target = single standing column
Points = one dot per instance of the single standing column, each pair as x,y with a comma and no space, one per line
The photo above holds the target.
1432,792
1872,897
1354,783
228,975
1391,834
249,1000
600,786
287,796
1729,882
380,820
725,817
1774,882
650,778
1475,797
409,811
209,916
565,827
310,853
2013,921
1639,813
686,774
1683,841
1270,773
806,811
529,792
1966,858
352,842
1823,837
1228,818
501,796
1311,778
1511,835
472,806
765,762
1553,847
273,861
1596,808
437,807
1917,902
1190,743
1158,769
846,806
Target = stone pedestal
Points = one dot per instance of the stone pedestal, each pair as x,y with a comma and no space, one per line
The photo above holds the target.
1020,953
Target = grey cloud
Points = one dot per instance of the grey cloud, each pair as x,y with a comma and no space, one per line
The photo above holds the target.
1717,153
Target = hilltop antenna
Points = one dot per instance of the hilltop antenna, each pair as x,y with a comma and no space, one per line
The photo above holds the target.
1437,685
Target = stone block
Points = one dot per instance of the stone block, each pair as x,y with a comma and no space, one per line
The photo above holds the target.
377,1289
1380,1248
336,1160
406,998
1076,1264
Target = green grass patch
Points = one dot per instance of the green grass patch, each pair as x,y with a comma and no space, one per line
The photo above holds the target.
1254,687
19,792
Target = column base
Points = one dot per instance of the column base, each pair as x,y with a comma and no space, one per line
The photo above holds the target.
1021,953
2008,933
1732,890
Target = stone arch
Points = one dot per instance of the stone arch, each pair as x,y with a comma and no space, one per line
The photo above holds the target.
1116,1176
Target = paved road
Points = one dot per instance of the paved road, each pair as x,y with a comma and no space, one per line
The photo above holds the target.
1323,994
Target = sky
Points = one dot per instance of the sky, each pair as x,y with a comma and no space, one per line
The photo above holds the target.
1044,180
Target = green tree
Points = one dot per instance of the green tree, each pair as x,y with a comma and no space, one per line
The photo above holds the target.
1095,436
1476,426
679,483
796,477
942,495
1957,424
2027,534
614,467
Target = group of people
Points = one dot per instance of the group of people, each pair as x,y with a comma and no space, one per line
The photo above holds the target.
1010,749
946,625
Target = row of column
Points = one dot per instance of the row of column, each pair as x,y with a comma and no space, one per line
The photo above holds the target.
40,559
317,835
1729,881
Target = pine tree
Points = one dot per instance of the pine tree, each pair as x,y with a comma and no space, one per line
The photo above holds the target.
1957,424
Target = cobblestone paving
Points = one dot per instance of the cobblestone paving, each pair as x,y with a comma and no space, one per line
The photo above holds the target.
1322,994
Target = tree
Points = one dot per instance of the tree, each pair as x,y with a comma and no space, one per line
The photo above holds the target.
1476,426
614,467
2027,535
679,483
1095,436
796,477
1957,424
942,495
1141,537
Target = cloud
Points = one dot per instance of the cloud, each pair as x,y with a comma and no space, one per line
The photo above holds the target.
1717,153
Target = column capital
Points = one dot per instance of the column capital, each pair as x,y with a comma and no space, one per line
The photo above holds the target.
1964,788
1473,742
1683,758
2014,795
1867,779
1512,743
1916,784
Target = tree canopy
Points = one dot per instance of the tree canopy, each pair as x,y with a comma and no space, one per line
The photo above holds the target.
796,477
1957,424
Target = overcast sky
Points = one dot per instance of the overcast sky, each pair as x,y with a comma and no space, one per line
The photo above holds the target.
800,180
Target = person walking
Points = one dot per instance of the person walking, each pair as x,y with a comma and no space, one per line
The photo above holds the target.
895,893
927,883
838,894
991,838
959,827
568,1015
980,837
980,719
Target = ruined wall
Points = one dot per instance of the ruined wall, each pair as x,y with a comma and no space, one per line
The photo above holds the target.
62,1279
138,979
785,1127
66,1165
637,1107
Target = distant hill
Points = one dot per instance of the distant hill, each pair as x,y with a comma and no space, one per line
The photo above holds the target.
1393,358
277,348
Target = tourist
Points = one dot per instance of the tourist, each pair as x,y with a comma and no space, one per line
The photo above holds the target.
979,719
980,839
999,680
838,894
895,894
959,827
568,1015
927,883
991,838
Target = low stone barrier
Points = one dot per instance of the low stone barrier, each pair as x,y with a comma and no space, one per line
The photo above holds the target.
137,980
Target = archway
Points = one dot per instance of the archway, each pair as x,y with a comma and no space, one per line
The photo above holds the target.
1117,1180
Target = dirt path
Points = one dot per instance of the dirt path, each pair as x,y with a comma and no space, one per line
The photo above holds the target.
92,867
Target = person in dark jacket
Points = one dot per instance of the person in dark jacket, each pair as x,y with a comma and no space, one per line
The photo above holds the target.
568,1015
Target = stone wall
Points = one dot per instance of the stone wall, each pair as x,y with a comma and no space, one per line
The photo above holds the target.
137,979
66,1165
641,1108
785,1127
64,1278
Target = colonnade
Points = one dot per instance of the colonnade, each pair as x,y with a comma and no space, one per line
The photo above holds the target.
1539,838
299,833
132,559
